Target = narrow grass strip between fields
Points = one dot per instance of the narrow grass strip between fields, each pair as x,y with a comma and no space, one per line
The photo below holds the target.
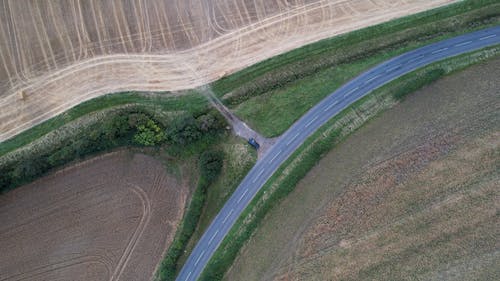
364,43
315,147
271,102
191,102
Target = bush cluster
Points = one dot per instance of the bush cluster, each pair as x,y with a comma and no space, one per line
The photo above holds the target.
128,127
188,129
112,132
211,164
417,82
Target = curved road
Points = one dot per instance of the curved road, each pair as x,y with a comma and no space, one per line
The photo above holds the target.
311,121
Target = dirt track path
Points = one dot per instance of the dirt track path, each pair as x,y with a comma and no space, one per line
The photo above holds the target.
33,93
239,127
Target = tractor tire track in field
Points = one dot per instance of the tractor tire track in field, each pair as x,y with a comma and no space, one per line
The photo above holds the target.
40,271
106,212
146,216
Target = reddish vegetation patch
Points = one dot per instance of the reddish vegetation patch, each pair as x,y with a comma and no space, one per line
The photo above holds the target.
358,209
109,218
406,217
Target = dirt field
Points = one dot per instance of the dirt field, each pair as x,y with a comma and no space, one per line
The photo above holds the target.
56,54
109,218
413,195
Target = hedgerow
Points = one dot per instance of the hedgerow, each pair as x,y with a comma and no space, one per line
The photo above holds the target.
132,126
210,165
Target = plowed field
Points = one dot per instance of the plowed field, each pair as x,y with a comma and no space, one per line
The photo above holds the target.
56,54
109,218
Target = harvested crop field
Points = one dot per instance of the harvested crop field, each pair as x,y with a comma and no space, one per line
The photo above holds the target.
412,195
57,54
109,218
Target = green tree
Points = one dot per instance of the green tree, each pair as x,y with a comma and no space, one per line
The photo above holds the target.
149,134
211,163
210,122
183,131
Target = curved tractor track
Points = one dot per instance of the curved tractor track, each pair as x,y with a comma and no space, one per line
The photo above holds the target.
312,121
108,218
57,54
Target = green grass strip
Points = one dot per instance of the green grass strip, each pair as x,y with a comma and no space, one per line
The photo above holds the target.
192,102
277,97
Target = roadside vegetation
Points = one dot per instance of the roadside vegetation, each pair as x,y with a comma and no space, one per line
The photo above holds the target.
210,166
316,146
266,95
208,198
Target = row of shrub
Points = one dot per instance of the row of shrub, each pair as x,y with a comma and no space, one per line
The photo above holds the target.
210,166
328,53
128,127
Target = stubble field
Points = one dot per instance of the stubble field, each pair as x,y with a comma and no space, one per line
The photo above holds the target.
108,218
412,195
57,54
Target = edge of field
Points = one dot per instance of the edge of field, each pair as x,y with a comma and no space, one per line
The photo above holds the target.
265,95
317,145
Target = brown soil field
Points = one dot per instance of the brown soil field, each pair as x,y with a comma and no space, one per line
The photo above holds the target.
57,54
412,195
108,218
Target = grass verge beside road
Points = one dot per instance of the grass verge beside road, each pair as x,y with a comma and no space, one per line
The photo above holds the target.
267,94
329,135
205,204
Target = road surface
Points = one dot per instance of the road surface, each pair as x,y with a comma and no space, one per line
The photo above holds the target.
314,119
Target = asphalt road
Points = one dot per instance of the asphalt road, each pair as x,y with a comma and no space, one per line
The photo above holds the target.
311,121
